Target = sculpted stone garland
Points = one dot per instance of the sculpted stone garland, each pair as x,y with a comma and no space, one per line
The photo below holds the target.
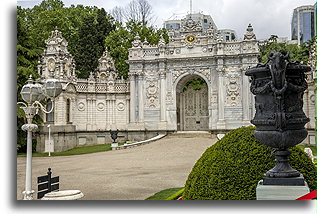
152,94
233,88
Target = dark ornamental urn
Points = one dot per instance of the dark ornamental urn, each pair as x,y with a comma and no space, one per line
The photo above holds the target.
114,135
278,86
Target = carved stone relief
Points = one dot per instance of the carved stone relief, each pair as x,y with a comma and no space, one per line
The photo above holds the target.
169,97
152,94
232,81
120,105
100,106
203,71
81,106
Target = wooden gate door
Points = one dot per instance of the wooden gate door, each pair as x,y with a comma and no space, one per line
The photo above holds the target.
194,109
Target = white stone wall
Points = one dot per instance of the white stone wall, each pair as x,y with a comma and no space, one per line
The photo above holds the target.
156,72
101,112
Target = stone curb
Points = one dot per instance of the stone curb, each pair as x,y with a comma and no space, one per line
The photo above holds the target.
160,136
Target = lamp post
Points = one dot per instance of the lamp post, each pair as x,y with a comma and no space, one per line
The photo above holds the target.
32,93
49,140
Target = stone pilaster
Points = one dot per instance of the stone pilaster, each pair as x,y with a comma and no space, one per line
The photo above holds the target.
162,92
141,97
221,101
132,99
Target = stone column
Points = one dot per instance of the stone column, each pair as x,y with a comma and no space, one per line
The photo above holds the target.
221,101
163,95
132,98
140,97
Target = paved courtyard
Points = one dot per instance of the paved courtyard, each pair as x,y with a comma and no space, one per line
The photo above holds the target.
129,174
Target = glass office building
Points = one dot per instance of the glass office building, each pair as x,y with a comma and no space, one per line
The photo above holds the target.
303,24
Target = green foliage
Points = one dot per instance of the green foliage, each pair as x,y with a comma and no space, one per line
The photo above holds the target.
92,34
51,14
197,83
34,26
297,53
231,169
165,194
27,55
120,40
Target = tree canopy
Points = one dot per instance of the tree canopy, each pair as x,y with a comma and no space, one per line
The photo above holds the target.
120,40
88,30
297,53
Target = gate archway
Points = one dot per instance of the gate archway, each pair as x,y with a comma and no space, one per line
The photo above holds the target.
192,104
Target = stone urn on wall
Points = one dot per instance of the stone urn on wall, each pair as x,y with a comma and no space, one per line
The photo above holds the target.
278,87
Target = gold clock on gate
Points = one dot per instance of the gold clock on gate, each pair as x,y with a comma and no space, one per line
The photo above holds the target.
190,38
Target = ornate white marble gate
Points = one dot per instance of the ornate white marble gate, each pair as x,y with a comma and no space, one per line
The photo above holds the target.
194,109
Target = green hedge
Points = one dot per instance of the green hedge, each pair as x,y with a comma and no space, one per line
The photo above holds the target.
231,169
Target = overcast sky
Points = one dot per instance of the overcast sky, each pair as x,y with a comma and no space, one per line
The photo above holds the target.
267,16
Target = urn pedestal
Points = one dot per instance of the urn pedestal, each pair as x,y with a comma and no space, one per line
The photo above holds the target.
278,87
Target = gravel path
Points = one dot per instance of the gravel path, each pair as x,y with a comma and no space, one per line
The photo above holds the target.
129,174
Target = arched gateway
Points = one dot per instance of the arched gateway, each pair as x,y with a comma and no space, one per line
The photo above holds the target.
192,104
158,96
196,49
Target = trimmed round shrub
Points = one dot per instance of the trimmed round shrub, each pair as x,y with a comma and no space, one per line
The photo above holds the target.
232,168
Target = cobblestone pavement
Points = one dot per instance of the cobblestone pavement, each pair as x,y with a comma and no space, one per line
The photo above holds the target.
129,174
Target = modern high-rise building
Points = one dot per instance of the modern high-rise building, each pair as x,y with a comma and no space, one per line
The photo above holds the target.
303,24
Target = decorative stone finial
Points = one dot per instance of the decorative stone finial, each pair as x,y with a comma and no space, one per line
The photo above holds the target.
146,43
249,35
106,69
161,42
91,77
106,62
137,42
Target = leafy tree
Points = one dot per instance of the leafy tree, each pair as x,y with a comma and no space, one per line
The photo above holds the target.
92,34
88,49
297,53
105,24
120,40
34,25
27,55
